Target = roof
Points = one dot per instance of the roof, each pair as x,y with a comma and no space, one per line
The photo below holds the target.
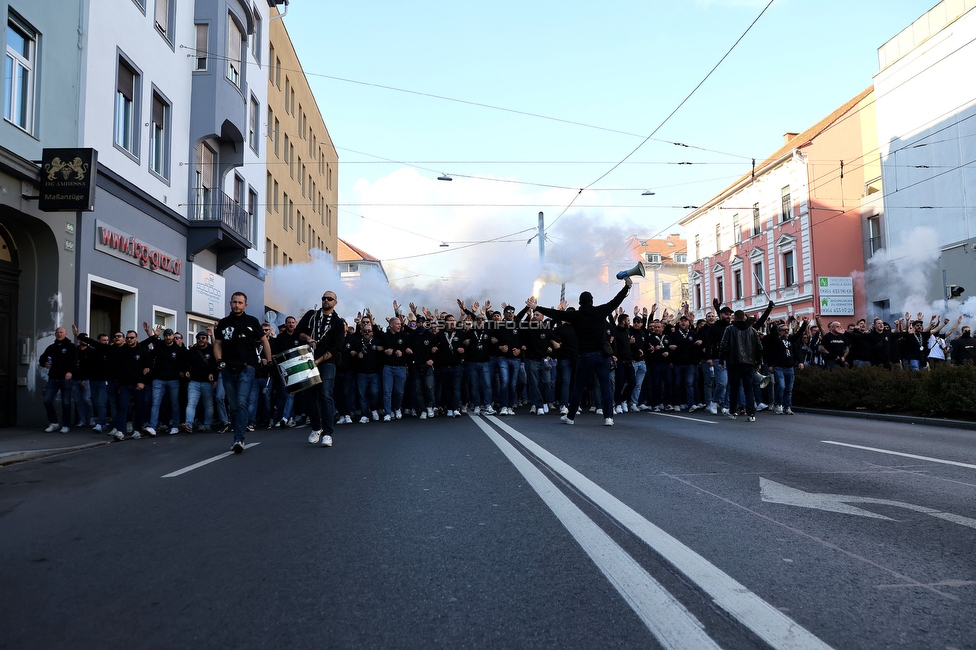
666,247
349,253
801,140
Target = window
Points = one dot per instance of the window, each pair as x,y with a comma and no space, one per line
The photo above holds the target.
239,190
301,169
252,206
267,191
18,89
718,237
287,90
737,279
203,35
652,258
756,223
789,273
665,292
300,231
126,108
874,235
758,277
698,296
787,204
720,289
271,57
291,160
274,254
256,37
736,229
159,136
277,75
681,258
275,196
252,132
291,215
277,131
697,247
267,254
234,41
164,18
284,205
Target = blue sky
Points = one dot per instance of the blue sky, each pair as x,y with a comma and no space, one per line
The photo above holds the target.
620,66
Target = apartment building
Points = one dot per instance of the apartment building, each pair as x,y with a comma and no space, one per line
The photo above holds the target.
301,182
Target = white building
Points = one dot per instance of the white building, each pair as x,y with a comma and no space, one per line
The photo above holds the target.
926,102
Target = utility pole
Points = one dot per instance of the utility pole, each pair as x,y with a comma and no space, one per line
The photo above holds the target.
542,240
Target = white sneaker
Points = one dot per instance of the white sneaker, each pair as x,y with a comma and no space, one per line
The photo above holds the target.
150,431
778,410
694,408
430,412
623,408
341,420
540,412
617,410
592,409
376,416
173,431
423,415
387,418
532,411
564,410
488,410
97,428
464,409
457,414
314,437
326,441
65,429
477,410
787,411
761,407
608,422
599,411
725,411
118,435
450,413
565,420
399,415
713,408
51,428
364,419
545,408
136,435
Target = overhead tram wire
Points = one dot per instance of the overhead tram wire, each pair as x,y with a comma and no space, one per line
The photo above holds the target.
666,119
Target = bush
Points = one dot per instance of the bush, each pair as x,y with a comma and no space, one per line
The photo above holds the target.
944,391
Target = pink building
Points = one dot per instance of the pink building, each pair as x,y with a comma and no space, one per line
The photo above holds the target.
793,231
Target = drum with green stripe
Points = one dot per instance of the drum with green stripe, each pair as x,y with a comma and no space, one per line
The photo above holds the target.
297,368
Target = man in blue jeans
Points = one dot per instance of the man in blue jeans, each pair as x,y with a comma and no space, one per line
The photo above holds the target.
589,323
61,360
236,337
325,332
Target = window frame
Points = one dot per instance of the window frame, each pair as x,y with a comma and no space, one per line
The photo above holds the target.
235,76
254,125
789,269
786,204
205,29
134,107
756,220
169,15
160,144
28,99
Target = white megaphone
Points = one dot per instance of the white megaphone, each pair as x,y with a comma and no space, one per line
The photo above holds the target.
762,379
637,270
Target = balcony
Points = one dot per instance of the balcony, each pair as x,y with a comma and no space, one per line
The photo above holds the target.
220,224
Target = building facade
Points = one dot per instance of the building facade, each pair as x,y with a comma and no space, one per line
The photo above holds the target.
172,223
927,150
302,173
791,231
666,271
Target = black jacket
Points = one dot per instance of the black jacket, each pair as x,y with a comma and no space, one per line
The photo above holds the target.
589,321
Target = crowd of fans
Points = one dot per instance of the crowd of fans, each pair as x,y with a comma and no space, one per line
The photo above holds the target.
481,360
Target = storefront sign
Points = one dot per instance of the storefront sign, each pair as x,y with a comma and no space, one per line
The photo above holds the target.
116,243
68,179
836,286
207,292
837,305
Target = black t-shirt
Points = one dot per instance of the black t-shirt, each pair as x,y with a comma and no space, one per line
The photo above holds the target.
835,344
239,336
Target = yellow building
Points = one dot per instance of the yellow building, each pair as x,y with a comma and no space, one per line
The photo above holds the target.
303,165
666,266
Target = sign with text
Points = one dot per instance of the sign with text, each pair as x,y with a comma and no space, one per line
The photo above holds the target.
836,286
207,293
837,305
68,180
116,243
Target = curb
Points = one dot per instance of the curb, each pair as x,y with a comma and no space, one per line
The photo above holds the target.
13,457
904,419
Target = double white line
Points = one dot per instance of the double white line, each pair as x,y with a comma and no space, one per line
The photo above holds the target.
667,619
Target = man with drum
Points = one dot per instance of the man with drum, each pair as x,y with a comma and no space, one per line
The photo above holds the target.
236,337
324,332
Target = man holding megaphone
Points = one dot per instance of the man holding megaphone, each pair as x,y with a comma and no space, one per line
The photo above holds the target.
741,350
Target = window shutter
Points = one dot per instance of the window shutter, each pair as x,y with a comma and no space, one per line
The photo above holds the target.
126,81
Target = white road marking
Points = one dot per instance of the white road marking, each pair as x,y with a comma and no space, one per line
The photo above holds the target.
667,619
773,626
205,462
898,453
773,492
684,417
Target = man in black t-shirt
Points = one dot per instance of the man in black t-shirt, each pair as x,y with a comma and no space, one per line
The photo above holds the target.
834,346
236,338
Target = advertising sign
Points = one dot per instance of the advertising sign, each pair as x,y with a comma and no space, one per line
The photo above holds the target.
207,293
114,242
68,180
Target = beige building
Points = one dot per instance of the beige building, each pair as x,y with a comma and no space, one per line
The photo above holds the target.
666,267
303,165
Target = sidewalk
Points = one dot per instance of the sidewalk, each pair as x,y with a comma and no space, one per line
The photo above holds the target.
18,444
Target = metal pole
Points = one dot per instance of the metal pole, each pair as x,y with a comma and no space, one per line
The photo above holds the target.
542,240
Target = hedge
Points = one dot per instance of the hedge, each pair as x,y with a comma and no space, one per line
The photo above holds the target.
944,391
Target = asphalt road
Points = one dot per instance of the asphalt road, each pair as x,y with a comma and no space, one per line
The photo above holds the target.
518,532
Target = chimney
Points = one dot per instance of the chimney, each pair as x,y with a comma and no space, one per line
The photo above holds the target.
787,137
